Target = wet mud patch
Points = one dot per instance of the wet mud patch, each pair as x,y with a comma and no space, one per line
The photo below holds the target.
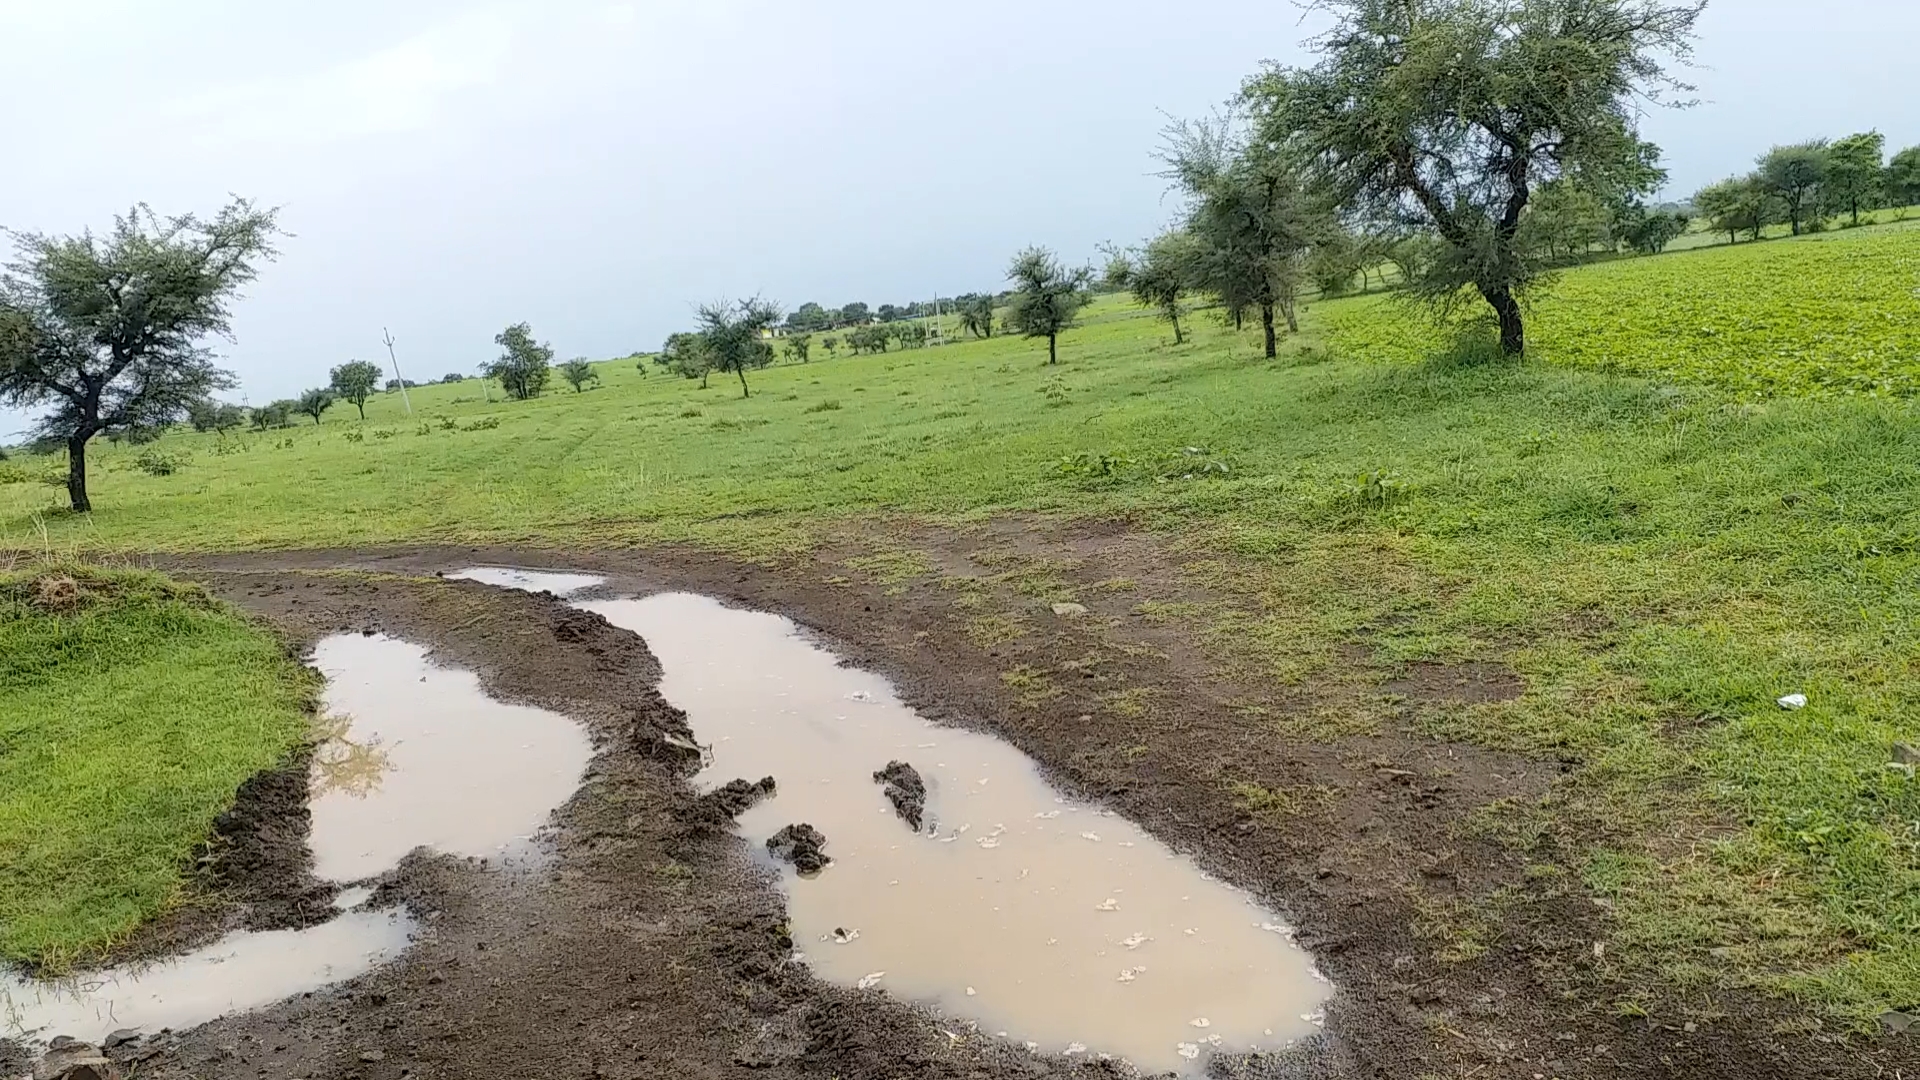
642,949
1466,682
1382,873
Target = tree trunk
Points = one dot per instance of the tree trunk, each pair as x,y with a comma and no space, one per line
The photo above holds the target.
77,472
1266,326
1053,354
1178,338
1293,317
1513,336
362,406
742,372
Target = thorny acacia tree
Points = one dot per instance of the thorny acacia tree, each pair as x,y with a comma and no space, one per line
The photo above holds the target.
1449,113
1158,278
524,365
1252,217
734,334
109,330
355,381
1047,297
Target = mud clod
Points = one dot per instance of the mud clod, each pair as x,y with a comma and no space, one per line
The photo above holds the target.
800,845
716,810
905,790
575,626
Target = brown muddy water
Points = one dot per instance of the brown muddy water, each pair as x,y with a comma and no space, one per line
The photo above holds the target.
420,756
1034,916
416,755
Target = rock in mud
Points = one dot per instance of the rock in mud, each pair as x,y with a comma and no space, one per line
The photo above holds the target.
905,790
800,845
71,1060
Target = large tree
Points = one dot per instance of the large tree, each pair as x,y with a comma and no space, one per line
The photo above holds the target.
355,381
524,365
1047,297
1448,114
736,335
1159,277
1855,170
687,355
1252,216
1794,176
110,331
579,372
1739,205
314,402
1902,178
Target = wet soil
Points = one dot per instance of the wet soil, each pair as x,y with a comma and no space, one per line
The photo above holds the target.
905,790
653,947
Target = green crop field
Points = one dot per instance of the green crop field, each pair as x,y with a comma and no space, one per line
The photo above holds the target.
1836,313
1682,465
130,710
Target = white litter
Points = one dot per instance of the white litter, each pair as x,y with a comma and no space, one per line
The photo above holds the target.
1093,836
1794,701
971,991
1138,939
869,980
1075,1048
1188,1050
1109,904
1200,1022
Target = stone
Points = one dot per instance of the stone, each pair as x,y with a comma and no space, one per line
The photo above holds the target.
121,1038
1906,754
69,1059
1069,610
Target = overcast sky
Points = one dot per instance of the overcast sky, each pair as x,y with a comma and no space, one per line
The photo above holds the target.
597,169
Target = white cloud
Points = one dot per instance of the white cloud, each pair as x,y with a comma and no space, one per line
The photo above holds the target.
400,88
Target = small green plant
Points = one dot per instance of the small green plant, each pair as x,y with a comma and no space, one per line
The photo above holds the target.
1056,392
156,462
424,428
822,406
355,436
485,423
1535,443
448,423
1086,466
383,433
691,413
226,447
1375,489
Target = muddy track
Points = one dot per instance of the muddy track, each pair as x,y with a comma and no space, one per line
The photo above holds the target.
652,948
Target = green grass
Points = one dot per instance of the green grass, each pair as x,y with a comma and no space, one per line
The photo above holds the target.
131,709
1661,555
1832,314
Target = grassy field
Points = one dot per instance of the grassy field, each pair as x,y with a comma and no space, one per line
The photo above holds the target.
1659,543
130,710
1833,314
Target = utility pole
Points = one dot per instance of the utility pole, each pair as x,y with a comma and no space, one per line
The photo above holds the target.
404,399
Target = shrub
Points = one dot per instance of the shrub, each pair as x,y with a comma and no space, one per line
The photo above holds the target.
822,406
156,462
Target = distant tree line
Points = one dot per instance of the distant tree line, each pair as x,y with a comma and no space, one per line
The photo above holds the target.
1805,185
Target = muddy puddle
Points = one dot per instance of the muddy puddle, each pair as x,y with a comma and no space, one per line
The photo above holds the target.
420,756
414,755
1036,917
238,972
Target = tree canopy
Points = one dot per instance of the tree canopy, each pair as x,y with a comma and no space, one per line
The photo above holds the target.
524,366
314,402
1158,278
579,372
1450,113
354,381
1047,297
734,334
1793,176
109,332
